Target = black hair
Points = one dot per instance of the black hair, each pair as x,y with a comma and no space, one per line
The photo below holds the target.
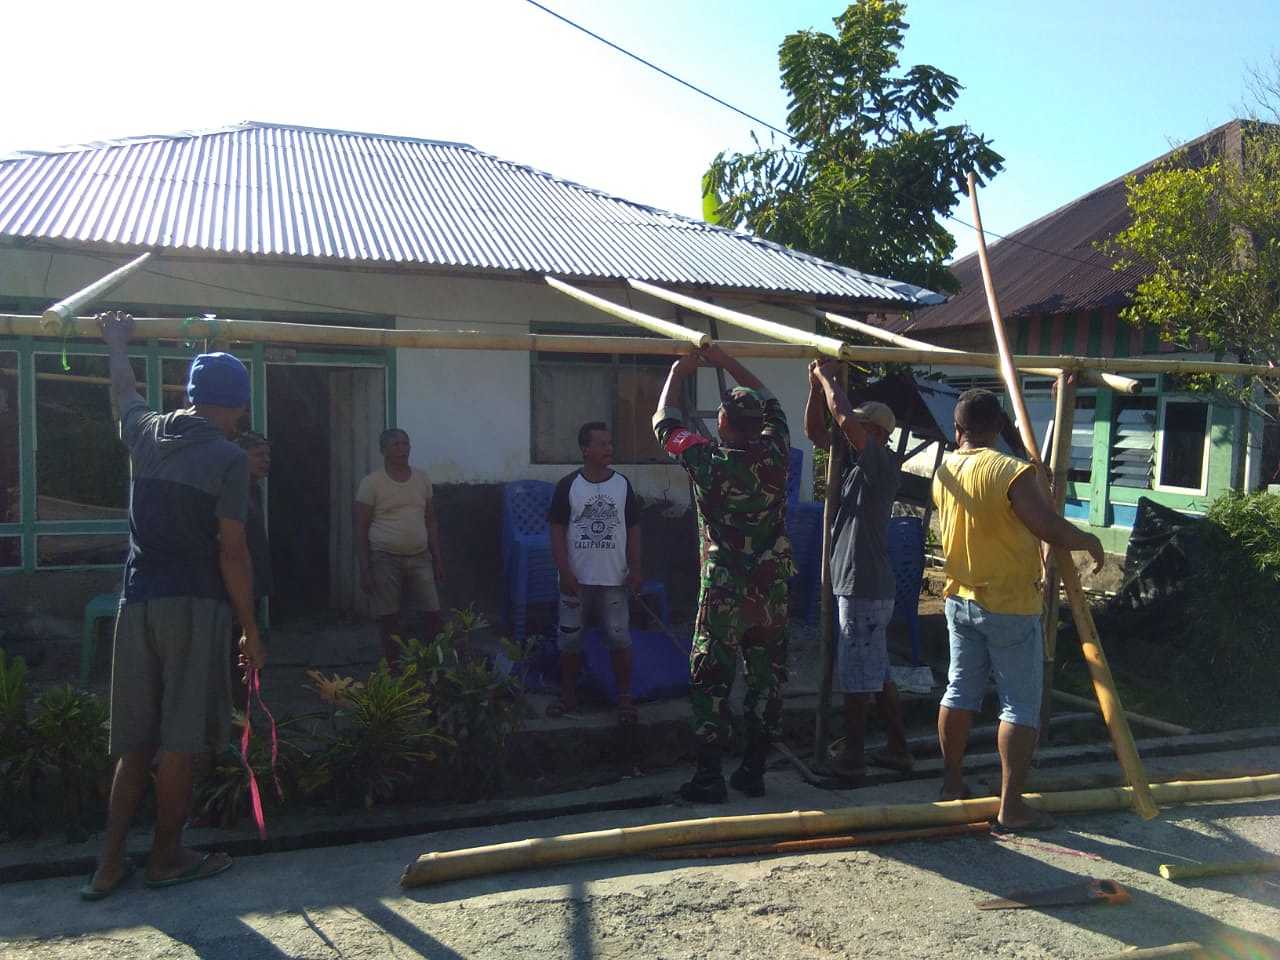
585,431
385,437
978,412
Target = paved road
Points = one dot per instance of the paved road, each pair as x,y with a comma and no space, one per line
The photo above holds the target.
909,901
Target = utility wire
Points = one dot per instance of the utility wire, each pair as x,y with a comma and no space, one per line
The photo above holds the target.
781,132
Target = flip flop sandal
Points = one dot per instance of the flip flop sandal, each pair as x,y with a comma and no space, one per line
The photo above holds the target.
89,892
1040,823
197,871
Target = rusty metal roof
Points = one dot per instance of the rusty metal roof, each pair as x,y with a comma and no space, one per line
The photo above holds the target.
1052,265
274,190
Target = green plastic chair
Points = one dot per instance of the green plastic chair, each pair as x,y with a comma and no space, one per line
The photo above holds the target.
101,607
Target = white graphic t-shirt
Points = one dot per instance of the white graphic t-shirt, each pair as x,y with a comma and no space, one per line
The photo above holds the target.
598,516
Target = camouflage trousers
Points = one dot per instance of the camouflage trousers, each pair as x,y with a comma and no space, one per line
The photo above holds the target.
747,614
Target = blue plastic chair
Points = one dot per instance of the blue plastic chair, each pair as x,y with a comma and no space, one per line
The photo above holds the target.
795,468
527,566
804,530
102,607
906,556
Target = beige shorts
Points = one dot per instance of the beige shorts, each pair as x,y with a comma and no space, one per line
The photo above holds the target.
402,581
170,687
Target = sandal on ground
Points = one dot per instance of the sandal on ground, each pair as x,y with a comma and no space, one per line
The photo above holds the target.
89,892
557,709
1039,823
204,868
902,762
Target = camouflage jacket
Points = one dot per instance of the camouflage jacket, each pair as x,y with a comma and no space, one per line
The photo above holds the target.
741,493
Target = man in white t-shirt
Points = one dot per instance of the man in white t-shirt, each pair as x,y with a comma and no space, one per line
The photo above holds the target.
595,541
398,543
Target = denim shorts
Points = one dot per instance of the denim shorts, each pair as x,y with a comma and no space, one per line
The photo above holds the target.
607,607
862,657
1008,646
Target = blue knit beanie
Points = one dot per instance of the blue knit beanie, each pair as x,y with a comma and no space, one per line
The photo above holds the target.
218,380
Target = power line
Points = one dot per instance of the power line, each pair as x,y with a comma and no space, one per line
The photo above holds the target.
792,138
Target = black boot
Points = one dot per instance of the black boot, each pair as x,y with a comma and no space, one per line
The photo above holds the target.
707,785
749,778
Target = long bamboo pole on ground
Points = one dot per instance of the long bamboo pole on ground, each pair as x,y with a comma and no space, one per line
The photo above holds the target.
826,616
306,334
624,841
1092,377
664,327
1064,413
1196,871
67,308
828,346
1103,683
873,839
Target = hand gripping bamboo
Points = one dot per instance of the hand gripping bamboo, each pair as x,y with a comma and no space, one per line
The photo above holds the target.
1103,683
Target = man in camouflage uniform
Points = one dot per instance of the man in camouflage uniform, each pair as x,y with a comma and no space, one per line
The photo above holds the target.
740,488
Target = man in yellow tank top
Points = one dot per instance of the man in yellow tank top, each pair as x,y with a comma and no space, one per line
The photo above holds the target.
993,513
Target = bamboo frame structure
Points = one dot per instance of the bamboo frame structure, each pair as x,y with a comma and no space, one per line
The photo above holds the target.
438,867
1093,377
827,346
1164,726
227,330
664,327
1100,672
67,308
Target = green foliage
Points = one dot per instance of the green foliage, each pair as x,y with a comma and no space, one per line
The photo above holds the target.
71,736
1211,237
383,733
17,750
224,797
870,171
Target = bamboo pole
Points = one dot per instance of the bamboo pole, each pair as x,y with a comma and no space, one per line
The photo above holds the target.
228,330
1189,950
67,308
664,327
873,839
1064,413
1164,726
1103,683
1092,377
438,867
1195,871
826,615
828,346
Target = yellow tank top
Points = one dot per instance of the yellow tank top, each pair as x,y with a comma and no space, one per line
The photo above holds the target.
991,557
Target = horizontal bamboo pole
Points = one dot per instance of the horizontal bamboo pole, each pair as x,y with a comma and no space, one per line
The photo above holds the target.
1189,950
1164,726
848,841
828,346
623,841
270,331
664,327
1093,378
1194,871
79,301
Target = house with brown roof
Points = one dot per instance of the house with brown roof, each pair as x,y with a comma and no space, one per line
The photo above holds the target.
1060,294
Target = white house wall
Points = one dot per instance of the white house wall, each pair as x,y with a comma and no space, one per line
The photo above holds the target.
467,411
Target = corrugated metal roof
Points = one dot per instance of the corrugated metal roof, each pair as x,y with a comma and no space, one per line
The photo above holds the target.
1052,265
276,190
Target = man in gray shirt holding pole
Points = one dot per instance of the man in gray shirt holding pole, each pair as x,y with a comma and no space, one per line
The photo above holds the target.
861,576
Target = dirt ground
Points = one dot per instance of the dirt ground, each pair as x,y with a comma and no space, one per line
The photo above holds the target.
913,900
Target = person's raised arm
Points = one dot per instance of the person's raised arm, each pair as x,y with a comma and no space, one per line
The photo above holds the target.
117,329
815,408
680,370
1032,507
716,357
838,402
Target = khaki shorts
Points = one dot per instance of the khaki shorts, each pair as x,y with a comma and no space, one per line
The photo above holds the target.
170,687
402,581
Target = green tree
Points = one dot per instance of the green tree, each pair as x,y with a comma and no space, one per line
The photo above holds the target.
1209,232
869,172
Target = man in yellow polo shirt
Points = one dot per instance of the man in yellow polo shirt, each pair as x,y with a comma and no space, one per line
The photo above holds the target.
993,513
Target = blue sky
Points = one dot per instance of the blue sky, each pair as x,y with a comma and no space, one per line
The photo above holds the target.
1073,95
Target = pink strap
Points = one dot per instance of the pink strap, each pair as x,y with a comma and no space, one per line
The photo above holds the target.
255,798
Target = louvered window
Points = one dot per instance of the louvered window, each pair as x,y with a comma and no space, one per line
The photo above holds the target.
1038,395
1133,438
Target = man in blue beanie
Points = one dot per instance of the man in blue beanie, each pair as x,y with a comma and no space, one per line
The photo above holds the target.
188,569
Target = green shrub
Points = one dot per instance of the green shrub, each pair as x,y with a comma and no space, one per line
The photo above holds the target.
224,796
17,750
70,733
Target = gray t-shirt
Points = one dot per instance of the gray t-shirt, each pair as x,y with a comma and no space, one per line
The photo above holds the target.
860,532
